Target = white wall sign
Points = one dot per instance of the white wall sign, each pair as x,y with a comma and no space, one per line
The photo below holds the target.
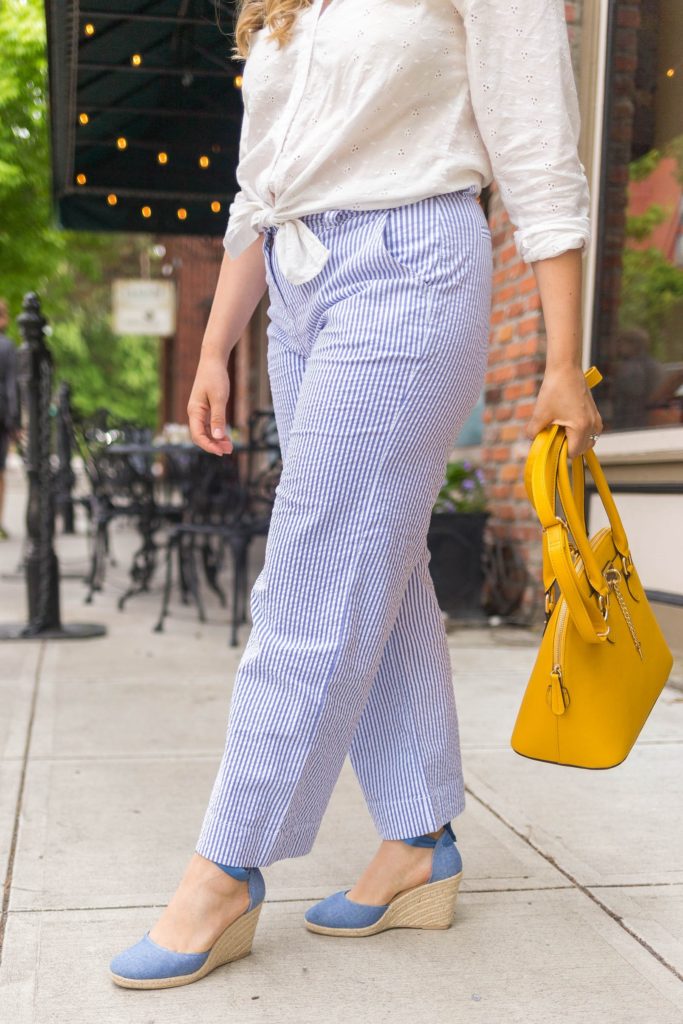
143,306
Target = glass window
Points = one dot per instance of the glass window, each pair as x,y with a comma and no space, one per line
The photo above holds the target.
638,316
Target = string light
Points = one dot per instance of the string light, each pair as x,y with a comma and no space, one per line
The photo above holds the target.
182,213
162,157
146,211
670,72
122,142
83,118
204,161
81,179
112,199
136,60
237,81
215,206
89,29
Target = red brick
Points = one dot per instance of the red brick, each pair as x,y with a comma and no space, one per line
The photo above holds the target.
525,409
528,325
511,392
503,412
498,374
509,432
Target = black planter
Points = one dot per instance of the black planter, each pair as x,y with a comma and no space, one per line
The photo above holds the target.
456,543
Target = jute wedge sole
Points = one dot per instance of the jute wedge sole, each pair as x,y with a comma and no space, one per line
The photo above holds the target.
431,905
232,944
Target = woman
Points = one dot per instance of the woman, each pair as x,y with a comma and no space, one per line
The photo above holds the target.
369,130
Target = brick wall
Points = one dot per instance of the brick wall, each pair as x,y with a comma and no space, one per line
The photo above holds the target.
196,263
514,374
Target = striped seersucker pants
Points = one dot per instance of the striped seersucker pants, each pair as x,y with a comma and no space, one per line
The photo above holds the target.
374,365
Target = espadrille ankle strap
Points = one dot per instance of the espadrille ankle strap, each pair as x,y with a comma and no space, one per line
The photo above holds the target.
427,840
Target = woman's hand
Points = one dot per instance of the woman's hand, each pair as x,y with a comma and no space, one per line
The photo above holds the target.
241,284
565,398
206,405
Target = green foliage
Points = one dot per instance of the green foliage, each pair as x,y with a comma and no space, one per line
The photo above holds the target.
674,148
643,166
463,489
116,372
71,271
640,226
651,287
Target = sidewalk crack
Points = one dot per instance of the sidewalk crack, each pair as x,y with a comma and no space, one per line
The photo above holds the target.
577,884
7,885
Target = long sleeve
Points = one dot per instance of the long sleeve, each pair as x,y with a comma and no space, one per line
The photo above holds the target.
525,103
239,233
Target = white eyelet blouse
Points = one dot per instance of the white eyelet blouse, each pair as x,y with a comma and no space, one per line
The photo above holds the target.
377,103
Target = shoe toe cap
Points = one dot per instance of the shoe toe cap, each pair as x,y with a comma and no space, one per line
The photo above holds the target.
146,960
336,911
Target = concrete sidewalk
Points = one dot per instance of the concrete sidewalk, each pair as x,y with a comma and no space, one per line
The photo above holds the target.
571,907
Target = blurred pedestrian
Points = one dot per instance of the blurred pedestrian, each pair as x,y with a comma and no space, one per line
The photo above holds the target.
9,402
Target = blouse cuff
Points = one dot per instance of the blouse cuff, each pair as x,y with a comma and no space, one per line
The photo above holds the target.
552,238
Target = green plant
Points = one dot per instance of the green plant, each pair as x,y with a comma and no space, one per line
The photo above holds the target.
463,489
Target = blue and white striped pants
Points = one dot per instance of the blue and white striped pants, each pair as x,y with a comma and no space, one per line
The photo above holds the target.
374,366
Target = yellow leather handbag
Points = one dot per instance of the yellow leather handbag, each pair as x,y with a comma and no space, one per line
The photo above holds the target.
603,659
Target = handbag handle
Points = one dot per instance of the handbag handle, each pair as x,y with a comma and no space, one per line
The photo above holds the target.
547,472
593,377
543,471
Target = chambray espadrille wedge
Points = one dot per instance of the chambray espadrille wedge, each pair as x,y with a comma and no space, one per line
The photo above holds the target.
431,905
149,965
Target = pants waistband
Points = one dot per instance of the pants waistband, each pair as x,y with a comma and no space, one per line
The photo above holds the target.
328,218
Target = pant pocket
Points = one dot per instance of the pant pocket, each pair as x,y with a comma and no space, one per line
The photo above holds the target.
411,240
272,273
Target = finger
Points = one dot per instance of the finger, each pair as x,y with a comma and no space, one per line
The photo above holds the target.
198,418
216,426
534,426
579,447
577,442
538,423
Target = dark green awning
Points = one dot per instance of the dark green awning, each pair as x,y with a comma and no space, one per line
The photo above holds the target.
159,76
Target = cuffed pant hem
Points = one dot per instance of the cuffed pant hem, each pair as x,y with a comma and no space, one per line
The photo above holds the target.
400,819
253,847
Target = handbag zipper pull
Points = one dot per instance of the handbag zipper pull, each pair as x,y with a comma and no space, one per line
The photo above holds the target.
557,692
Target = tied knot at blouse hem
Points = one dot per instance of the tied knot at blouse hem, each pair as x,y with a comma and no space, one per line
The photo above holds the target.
376,103
300,252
